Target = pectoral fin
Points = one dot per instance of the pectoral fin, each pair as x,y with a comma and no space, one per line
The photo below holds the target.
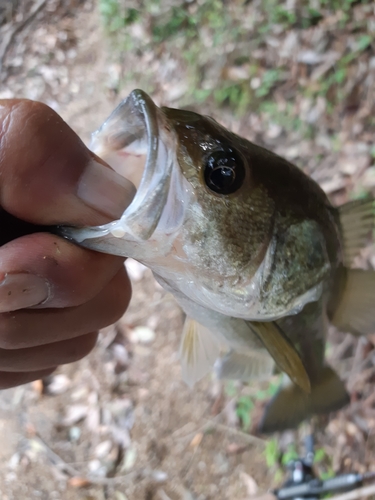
357,221
244,367
355,312
290,406
198,351
285,355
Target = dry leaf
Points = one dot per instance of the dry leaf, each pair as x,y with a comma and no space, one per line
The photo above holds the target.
74,433
185,494
129,459
120,496
142,334
159,476
93,419
99,469
79,482
236,449
161,495
197,439
103,449
250,484
30,429
74,414
38,386
58,385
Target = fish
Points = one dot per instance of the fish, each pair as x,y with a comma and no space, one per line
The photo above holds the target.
250,247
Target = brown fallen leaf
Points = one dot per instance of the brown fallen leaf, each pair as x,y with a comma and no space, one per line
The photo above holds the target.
236,449
30,430
196,441
38,386
79,482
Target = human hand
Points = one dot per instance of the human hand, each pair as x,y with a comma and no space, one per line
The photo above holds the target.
54,296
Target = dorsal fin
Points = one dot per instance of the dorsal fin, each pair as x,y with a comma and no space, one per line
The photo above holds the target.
357,221
355,312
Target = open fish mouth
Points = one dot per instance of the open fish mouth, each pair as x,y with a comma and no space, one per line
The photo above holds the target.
135,139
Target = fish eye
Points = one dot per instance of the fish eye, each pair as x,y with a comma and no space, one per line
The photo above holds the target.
224,171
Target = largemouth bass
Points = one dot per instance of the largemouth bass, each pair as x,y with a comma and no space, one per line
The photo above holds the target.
250,247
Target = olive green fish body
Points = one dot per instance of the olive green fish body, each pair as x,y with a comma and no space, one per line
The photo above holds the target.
248,244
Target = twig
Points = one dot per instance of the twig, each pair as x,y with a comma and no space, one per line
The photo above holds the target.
56,459
9,37
342,348
355,494
71,471
250,438
162,495
358,359
369,401
213,422
201,428
107,481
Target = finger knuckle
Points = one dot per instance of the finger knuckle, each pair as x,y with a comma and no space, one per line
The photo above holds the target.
116,310
80,347
9,330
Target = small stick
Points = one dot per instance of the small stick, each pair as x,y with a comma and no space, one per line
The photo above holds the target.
56,459
358,359
71,471
250,438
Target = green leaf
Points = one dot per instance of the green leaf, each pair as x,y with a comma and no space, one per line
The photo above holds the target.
271,453
320,455
363,42
290,455
230,389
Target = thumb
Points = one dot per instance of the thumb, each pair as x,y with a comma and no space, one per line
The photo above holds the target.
48,176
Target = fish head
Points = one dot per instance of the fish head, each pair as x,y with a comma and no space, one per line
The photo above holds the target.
203,214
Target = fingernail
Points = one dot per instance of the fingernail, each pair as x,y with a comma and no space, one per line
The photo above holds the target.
105,190
18,291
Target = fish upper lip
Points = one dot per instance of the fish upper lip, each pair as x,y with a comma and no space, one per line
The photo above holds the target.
134,118
143,214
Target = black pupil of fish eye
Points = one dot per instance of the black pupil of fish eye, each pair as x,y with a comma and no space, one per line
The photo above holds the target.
222,177
224,172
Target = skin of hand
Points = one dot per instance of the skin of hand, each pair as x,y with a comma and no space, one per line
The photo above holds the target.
54,295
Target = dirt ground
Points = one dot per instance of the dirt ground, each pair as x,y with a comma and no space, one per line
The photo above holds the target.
121,424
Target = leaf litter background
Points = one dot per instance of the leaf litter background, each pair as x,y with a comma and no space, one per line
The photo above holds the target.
295,76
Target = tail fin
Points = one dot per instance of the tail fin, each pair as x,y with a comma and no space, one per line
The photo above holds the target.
291,405
355,312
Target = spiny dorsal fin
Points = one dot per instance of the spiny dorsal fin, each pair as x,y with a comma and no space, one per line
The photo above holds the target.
356,310
285,355
290,406
357,221
198,351
245,366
